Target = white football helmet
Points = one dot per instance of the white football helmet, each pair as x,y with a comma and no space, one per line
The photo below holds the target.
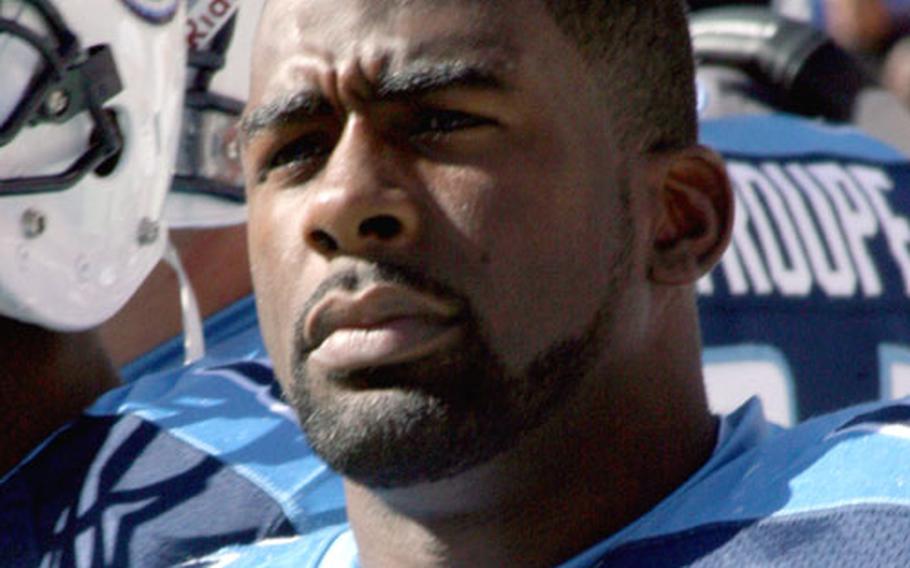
91,96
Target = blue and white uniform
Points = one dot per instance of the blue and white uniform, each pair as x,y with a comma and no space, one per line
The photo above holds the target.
171,466
835,491
808,307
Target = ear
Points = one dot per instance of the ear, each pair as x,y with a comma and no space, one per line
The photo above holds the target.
695,216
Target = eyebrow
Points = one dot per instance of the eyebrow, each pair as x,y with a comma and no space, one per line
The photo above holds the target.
283,110
422,79
418,79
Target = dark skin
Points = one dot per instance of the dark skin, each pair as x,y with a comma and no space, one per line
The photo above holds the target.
896,71
525,181
47,379
862,25
215,261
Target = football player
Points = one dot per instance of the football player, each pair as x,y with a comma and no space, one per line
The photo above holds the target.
160,470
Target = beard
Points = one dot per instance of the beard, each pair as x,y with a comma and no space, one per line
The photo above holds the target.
435,418
431,419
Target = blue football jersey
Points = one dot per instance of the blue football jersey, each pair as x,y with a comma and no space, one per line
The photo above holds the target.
834,491
171,466
808,307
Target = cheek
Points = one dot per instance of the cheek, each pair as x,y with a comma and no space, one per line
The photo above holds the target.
541,260
550,275
273,250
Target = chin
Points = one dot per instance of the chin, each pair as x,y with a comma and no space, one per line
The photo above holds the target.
428,420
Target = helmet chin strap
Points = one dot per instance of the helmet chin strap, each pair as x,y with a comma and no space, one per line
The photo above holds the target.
193,337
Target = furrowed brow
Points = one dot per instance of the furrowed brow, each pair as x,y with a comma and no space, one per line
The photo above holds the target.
422,79
285,110
417,79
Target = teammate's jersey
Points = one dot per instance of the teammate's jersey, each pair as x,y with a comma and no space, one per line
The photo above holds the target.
835,491
808,307
169,467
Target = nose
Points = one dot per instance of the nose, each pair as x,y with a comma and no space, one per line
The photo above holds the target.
361,205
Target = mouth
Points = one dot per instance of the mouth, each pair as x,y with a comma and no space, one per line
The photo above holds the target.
384,324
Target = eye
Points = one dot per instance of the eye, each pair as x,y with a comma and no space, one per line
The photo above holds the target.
437,123
300,154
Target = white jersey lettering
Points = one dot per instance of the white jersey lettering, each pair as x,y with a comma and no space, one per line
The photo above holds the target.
802,227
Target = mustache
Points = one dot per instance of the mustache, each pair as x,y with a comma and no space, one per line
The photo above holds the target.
356,278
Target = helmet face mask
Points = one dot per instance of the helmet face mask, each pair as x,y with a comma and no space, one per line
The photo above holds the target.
91,96
208,190
55,48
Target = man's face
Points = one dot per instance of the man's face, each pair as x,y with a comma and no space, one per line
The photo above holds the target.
441,227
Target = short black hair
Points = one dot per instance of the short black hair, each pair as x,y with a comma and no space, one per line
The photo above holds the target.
642,55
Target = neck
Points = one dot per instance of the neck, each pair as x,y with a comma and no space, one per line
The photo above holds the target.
47,379
623,444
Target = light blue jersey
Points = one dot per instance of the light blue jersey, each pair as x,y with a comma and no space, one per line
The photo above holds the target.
172,466
834,491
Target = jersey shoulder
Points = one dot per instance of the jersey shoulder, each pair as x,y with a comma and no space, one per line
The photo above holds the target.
169,467
329,547
832,491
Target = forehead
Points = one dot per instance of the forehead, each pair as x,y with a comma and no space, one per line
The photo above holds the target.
341,21
392,33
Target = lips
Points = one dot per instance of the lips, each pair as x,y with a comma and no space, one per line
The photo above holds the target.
381,325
